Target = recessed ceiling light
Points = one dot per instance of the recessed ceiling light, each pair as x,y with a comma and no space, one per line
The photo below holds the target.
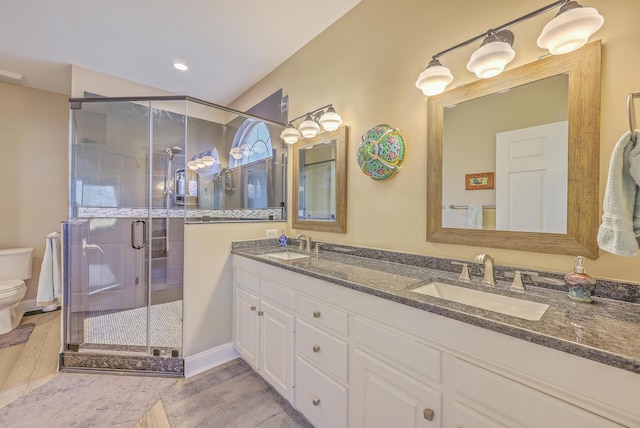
180,66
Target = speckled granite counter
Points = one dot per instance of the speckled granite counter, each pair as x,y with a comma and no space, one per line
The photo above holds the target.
607,331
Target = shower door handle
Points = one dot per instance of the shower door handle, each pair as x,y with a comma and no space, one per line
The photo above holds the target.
134,226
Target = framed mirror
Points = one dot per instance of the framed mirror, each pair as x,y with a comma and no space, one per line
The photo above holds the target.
320,182
476,130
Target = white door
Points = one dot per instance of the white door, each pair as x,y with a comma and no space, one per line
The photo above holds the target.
276,348
531,179
382,397
246,327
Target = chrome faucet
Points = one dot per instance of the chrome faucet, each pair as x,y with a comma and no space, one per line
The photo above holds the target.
307,239
489,272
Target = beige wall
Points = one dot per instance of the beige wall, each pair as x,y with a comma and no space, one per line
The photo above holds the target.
366,65
33,170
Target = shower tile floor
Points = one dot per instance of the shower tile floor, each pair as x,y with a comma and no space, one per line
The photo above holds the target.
129,327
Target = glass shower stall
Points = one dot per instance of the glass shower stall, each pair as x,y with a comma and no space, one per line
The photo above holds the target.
124,236
139,169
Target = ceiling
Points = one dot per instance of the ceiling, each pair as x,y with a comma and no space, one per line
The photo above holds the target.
229,45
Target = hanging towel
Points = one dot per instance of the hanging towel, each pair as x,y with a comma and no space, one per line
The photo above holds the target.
50,282
621,217
474,216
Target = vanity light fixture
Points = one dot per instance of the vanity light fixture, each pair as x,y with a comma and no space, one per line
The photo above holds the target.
569,30
494,54
202,160
313,122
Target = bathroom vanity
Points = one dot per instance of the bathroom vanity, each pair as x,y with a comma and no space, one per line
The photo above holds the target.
349,343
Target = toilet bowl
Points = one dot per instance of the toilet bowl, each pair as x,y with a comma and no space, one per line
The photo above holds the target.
15,267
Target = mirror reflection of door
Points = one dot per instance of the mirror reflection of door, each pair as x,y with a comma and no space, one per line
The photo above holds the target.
469,146
317,190
531,179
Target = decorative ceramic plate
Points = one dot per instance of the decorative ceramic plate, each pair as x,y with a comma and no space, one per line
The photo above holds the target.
381,152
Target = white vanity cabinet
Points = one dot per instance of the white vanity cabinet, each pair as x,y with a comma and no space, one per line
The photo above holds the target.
395,378
365,361
264,328
321,365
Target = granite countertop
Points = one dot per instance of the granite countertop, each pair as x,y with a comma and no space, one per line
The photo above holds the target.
607,330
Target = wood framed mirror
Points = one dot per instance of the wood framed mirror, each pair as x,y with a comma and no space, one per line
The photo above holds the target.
320,182
577,235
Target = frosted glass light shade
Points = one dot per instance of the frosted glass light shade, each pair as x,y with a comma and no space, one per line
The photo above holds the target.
290,135
309,128
570,30
208,160
434,79
490,59
192,165
236,153
199,163
330,120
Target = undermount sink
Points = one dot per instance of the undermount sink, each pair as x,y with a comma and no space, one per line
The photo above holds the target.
524,309
287,255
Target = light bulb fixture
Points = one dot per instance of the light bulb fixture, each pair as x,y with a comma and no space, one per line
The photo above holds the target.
494,54
568,31
434,79
309,128
180,66
192,165
199,163
290,134
236,153
208,160
329,120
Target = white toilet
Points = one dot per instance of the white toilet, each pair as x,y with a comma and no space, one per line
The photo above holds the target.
15,267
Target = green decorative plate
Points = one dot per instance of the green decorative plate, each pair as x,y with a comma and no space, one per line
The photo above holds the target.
381,152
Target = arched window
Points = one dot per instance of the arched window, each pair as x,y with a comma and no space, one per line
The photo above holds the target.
251,143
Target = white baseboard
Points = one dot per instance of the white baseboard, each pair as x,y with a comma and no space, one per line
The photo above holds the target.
205,360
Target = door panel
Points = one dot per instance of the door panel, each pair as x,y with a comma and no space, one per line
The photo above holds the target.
531,179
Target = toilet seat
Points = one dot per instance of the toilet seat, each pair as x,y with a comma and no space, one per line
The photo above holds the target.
11,285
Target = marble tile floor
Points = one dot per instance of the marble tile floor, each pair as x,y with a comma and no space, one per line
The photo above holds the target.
28,366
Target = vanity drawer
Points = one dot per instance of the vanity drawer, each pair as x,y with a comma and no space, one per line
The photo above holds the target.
322,349
247,281
323,315
321,400
399,349
277,294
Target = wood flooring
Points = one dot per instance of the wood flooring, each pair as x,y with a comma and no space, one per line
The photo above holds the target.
29,365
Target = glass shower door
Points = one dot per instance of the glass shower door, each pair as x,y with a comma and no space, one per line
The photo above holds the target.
109,226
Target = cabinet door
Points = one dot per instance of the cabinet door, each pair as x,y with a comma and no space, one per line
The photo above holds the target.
246,326
383,397
276,348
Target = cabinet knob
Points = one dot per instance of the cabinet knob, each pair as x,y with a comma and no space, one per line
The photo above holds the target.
253,308
260,313
316,401
428,414
316,314
316,348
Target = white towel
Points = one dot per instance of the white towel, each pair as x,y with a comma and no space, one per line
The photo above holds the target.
474,216
621,217
50,282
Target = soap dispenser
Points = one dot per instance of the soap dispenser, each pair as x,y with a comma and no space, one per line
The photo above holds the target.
193,186
580,284
283,239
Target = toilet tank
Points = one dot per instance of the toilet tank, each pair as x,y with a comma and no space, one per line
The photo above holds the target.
15,263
